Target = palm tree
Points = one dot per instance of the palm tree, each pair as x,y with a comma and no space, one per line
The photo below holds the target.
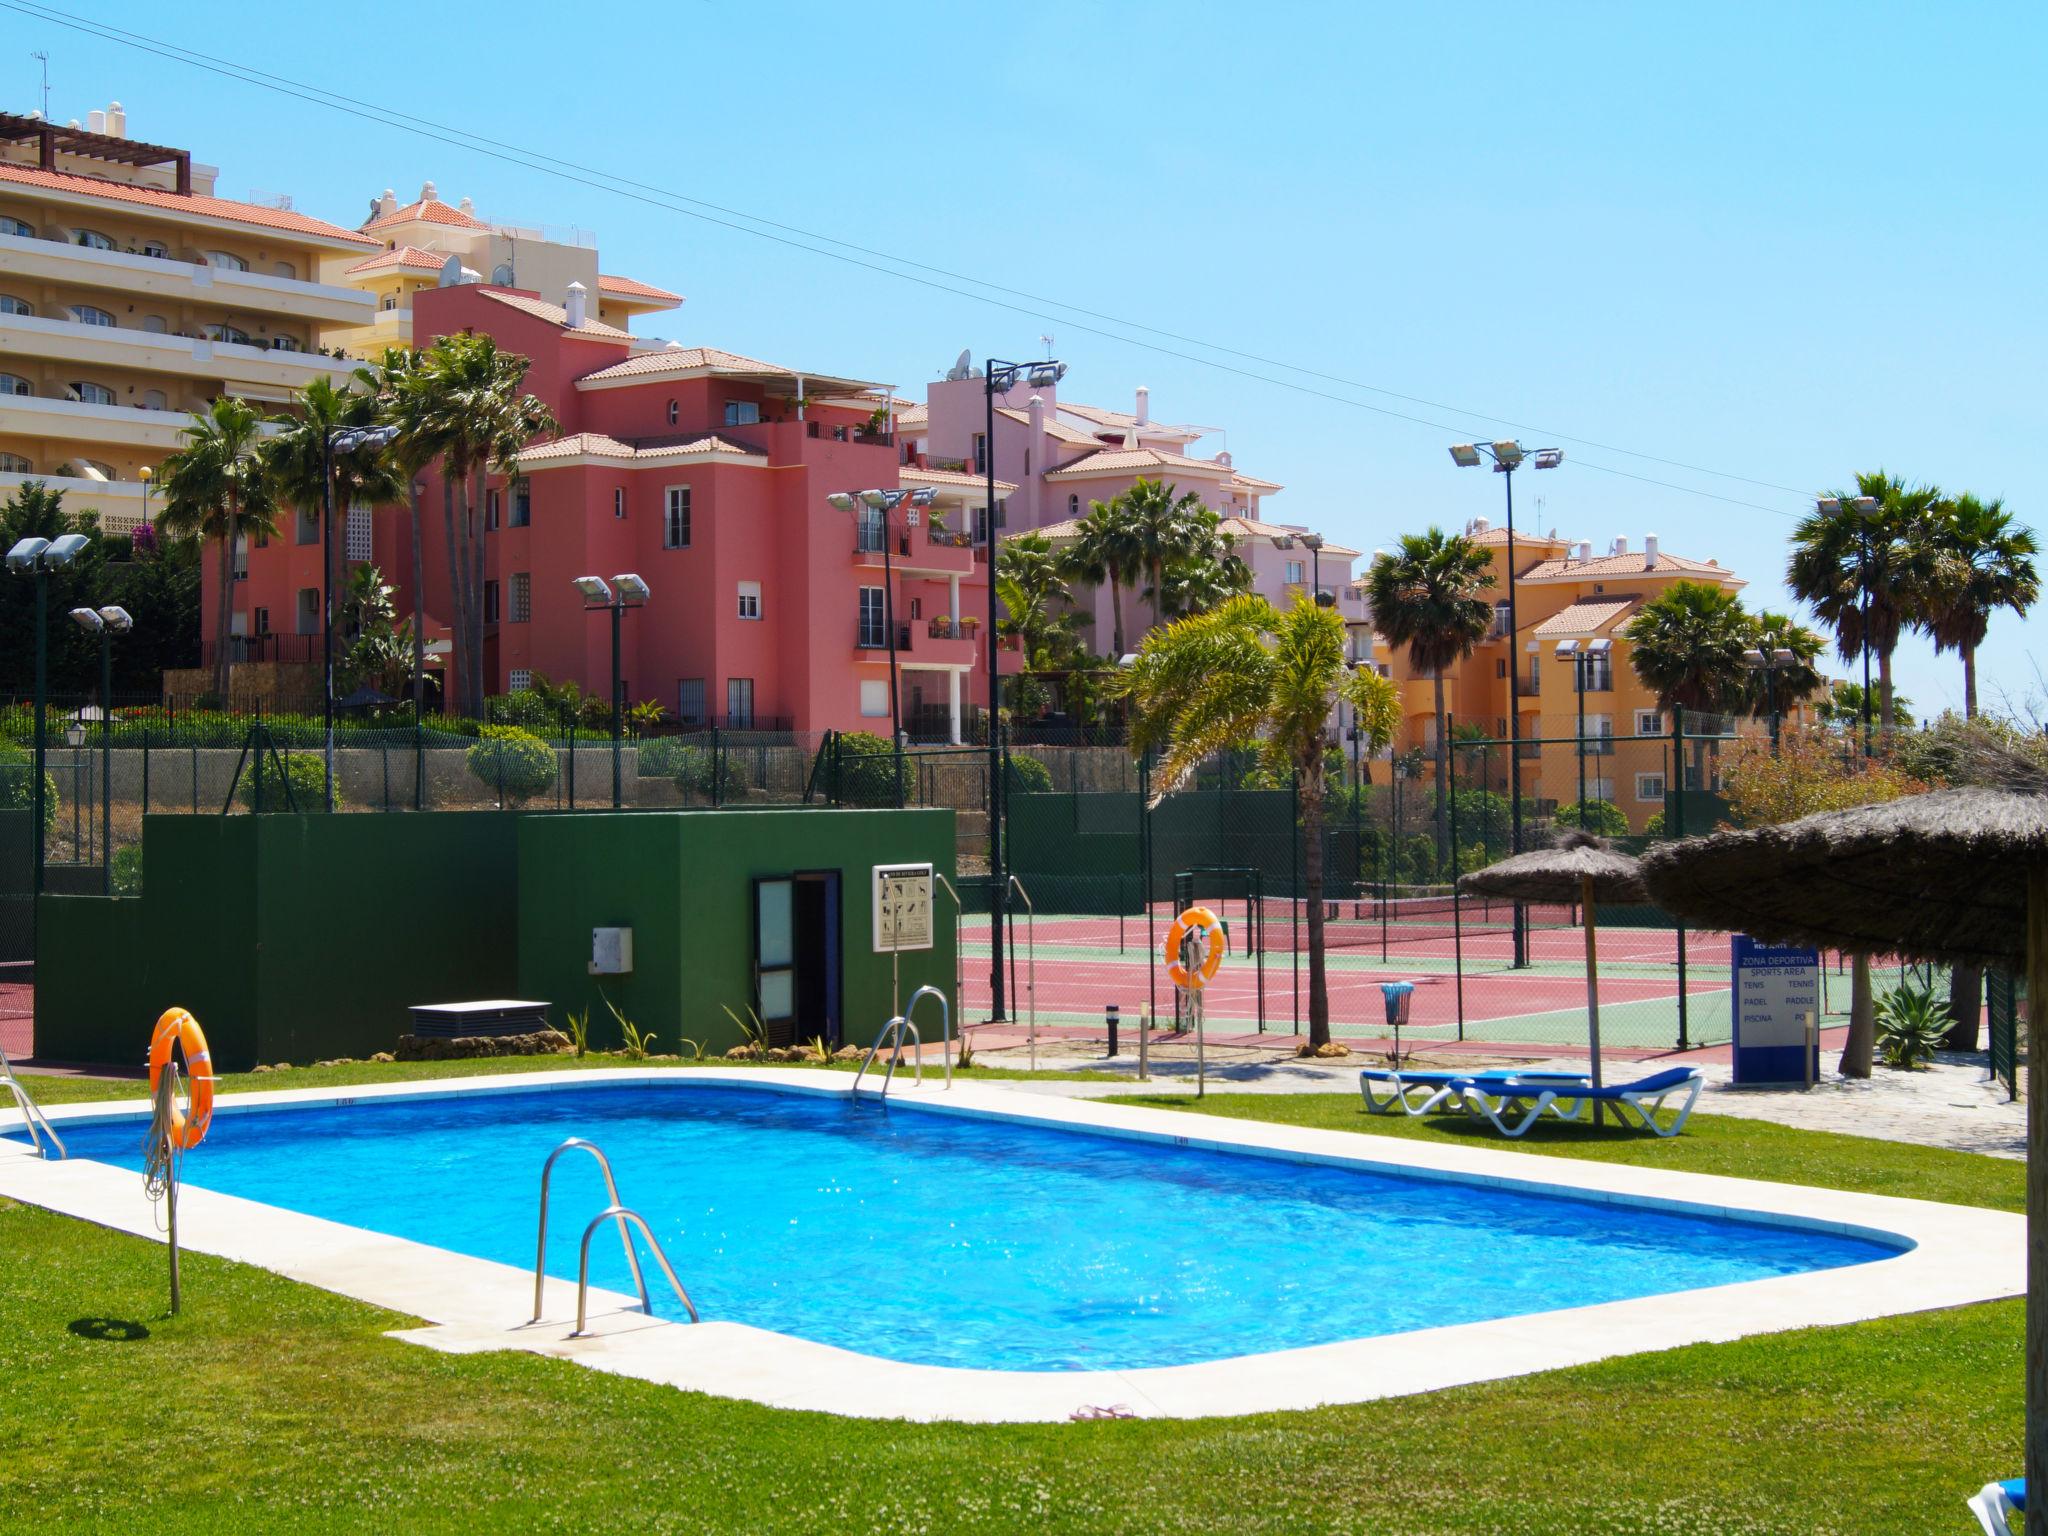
1868,577
1686,645
1427,597
398,405
296,460
1791,684
1243,674
1029,580
216,487
1843,706
468,404
1166,527
1107,552
1207,572
1983,562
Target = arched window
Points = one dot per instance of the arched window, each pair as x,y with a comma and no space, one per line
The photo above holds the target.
1074,506
286,269
92,239
675,412
9,225
227,261
155,324
227,333
153,400
157,249
88,314
15,464
285,344
10,305
15,384
92,394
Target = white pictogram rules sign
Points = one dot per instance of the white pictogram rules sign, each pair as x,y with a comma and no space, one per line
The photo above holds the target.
903,907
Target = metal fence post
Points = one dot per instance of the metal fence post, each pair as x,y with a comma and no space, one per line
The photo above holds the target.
1678,830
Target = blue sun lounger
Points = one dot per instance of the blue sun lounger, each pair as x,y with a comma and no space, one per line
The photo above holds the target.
1996,1504
1645,1096
1438,1089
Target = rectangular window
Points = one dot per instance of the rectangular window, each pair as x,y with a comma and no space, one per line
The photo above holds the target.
522,505
874,698
1599,671
739,702
741,413
241,557
490,602
619,502
1600,789
307,527
675,522
262,621
1294,573
873,631
238,623
690,701
980,453
1601,729
520,679
750,599
1649,723
522,597
868,530
309,611
1650,786
491,510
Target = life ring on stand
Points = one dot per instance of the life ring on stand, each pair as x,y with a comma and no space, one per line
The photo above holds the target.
1208,927
177,1027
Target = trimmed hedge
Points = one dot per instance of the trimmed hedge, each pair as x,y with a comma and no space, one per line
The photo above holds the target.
514,763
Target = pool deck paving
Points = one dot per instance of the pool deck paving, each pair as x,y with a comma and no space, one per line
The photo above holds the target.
1957,1255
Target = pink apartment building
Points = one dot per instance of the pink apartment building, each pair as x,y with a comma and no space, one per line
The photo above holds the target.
707,474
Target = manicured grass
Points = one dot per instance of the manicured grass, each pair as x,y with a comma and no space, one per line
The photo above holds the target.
1722,1144
54,1088
270,1406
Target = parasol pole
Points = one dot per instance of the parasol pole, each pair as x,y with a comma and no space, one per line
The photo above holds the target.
2037,1199
1592,984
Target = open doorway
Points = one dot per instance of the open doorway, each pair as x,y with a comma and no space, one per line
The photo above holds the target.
797,967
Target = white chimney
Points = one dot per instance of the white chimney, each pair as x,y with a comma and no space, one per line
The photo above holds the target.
96,121
1620,546
1225,459
117,120
1585,549
387,204
577,306
1034,409
1144,405
427,193
466,206
1650,551
1481,525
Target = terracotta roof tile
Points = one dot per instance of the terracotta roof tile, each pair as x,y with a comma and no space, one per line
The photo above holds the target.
1254,483
598,445
427,211
554,314
1102,416
687,360
407,257
633,288
1253,528
914,477
1119,461
1634,563
1587,616
252,214
1059,431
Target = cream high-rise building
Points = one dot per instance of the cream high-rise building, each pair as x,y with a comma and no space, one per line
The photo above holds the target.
131,296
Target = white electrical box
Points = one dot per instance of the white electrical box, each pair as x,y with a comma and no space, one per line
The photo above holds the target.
611,951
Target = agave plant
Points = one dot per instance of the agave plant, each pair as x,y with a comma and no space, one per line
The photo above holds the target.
1911,1022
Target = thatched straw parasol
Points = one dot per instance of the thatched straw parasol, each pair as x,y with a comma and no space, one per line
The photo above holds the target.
1577,867
1959,875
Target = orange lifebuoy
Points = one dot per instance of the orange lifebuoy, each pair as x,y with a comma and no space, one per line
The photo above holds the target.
1208,928
176,1026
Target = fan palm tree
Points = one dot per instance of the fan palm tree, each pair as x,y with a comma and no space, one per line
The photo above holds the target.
1107,552
1244,674
470,407
399,405
1207,572
216,487
1791,684
1983,562
1843,706
296,460
1686,646
1868,578
1427,597
1030,581
1166,527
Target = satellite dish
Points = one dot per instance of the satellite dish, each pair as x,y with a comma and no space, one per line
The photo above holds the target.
451,272
963,365
501,275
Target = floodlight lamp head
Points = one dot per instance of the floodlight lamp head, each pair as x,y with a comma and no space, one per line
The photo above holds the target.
924,497
1781,657
881,501
1465,455
65,549
24,555
1866,504
1752,658
1549,458
1566,649
1311,541
117,619
1827,504
1283,541
842,501
632,590
1045,375
88,618
594,591
1507,453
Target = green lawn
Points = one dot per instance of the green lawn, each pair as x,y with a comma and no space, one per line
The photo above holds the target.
270,1406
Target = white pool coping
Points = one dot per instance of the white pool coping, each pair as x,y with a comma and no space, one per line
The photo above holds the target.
1958,1255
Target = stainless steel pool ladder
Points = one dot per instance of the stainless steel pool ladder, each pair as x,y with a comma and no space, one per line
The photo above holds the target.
893,1032
945,1024
38,1123
614,1211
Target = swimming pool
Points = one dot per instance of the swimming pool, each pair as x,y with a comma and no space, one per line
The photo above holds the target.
956,1240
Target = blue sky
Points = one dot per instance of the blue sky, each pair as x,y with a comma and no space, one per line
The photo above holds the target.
1780,242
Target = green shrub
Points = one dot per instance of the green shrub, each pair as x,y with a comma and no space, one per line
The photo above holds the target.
1027,776
659,757
527,709
1654,827
515,764
866,770
305,772
1910,1023
17,784
1600,816
128,870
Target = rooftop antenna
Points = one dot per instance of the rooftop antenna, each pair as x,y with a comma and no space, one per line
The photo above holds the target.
44,60
1048,347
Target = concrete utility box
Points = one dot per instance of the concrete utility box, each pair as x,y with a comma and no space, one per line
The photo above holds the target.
611,951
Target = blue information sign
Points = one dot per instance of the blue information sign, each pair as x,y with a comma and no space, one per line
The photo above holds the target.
1776,986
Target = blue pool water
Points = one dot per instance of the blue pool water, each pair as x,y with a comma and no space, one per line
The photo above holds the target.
952,1241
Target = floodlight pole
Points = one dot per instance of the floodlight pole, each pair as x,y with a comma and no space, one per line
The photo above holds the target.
618,710
1863,582
326,614
1579,659
42,579
107,754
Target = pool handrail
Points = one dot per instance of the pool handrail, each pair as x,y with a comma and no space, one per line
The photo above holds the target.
1030,963
611,1186
621,1214
945,1024
901,1026
32,1116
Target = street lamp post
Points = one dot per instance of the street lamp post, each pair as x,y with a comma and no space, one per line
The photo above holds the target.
998,377
106,623
1313,543
339,440
36,558
148,483
1771,663
1865,508
1507,456
627,591
885,503
1573,652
